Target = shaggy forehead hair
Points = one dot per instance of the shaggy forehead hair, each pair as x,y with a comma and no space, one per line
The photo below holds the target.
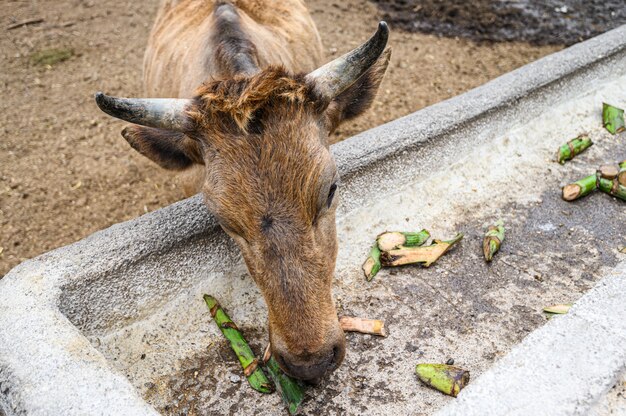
242,98
264,166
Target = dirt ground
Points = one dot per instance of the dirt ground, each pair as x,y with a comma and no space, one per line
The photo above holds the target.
540,22
66,172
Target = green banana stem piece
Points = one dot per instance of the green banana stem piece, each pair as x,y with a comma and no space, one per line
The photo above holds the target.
372,264
426,255
621,176
493,240
572,148
391,240
447,379
613,118
608,171
580,188
249,362
612,187
290,390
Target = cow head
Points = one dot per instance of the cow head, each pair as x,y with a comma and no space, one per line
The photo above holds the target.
271,181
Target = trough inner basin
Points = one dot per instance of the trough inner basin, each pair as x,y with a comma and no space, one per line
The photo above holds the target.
148,318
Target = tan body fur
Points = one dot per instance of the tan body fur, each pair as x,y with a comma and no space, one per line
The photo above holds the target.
177,60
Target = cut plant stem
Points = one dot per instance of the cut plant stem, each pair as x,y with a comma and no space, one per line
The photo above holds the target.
572,148
447,379
580,188
621,177
372,264
249,362
426,255
493,239
608,171
613,118
612,187
363,325
391,240
558,309
290,390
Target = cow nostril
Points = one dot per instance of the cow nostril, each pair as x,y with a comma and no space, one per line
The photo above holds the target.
336,358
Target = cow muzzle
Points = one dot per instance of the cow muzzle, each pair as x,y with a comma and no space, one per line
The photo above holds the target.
312,366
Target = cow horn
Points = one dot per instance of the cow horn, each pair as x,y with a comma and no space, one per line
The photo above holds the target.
163,113
334,77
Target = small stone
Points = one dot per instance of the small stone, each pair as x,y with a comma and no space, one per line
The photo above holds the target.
235,379
450,361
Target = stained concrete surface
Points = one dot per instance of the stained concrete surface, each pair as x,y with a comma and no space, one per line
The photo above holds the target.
135,290
459,308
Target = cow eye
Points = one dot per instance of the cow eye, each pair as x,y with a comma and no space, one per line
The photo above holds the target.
331,194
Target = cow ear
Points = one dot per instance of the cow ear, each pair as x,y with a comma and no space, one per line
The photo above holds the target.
169,149
359,96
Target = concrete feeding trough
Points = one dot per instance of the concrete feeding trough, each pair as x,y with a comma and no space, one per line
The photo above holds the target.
115,323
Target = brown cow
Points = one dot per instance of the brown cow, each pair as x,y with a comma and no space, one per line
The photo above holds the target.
258,126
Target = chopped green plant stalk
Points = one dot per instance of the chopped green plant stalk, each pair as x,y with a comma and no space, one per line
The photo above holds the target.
572,148
363,325
613,118
426,255
580,188
621,176
372,264
557,309
290,390
493,240
391,240
249,362
608,171
447,379
612,187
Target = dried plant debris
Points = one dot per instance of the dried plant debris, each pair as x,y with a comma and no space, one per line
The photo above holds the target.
248,360
446,378
493,240
363,325
573,148
425,255
613,118
559,309
27,22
